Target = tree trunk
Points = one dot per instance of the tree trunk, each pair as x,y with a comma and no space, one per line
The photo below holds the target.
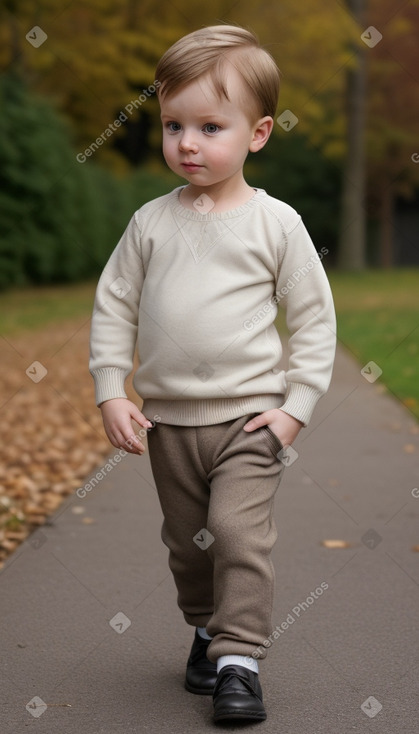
15,38
352,241
387,226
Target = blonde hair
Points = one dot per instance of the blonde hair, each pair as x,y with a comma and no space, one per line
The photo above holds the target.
207,51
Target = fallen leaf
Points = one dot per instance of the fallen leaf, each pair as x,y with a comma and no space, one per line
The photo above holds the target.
334,543
9,545
60,438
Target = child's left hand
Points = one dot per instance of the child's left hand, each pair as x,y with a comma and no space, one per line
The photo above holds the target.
285,427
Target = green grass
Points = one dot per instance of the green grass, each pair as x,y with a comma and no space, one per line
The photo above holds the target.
377,311
378,320
35,308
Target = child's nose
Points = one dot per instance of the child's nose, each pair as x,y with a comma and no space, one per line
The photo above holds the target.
187,142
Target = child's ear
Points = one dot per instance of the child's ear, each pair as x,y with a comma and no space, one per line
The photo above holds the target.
261,133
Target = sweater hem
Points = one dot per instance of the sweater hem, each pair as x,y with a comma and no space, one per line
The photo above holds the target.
210,411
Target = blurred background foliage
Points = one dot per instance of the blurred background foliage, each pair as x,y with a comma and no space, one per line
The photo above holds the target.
60,218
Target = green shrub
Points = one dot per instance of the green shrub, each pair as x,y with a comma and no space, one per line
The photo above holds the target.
37,184
59,219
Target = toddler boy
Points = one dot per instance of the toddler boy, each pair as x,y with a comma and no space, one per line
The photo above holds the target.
197,276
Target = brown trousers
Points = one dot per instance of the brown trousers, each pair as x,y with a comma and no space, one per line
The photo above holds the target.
216,485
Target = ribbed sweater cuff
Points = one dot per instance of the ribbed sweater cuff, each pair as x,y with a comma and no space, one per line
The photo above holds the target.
109,383
300,401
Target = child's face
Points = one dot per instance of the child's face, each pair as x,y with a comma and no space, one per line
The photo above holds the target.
206,139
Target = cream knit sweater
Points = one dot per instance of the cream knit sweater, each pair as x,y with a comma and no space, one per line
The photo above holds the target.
201,291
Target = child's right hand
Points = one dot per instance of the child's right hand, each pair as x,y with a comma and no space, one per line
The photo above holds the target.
117,415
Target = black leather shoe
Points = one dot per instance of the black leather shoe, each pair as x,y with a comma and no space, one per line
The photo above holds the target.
201,673
238,695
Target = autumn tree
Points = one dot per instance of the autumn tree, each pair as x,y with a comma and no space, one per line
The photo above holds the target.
393,116
96,59
352,242
98,56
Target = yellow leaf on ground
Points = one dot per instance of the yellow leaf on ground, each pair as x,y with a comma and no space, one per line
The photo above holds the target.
335,543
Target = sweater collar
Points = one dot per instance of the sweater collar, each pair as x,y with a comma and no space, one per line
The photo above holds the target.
186,213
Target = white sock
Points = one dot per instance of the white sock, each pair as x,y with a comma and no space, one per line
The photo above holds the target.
202,632
244,660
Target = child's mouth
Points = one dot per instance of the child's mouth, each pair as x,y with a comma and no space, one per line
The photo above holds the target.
190,166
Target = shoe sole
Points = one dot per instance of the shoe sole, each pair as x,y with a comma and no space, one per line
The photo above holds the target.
199,691
229,715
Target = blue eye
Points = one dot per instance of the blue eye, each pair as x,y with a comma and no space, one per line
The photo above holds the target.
211,128
173,127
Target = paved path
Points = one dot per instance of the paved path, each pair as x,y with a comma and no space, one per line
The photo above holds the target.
353,647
